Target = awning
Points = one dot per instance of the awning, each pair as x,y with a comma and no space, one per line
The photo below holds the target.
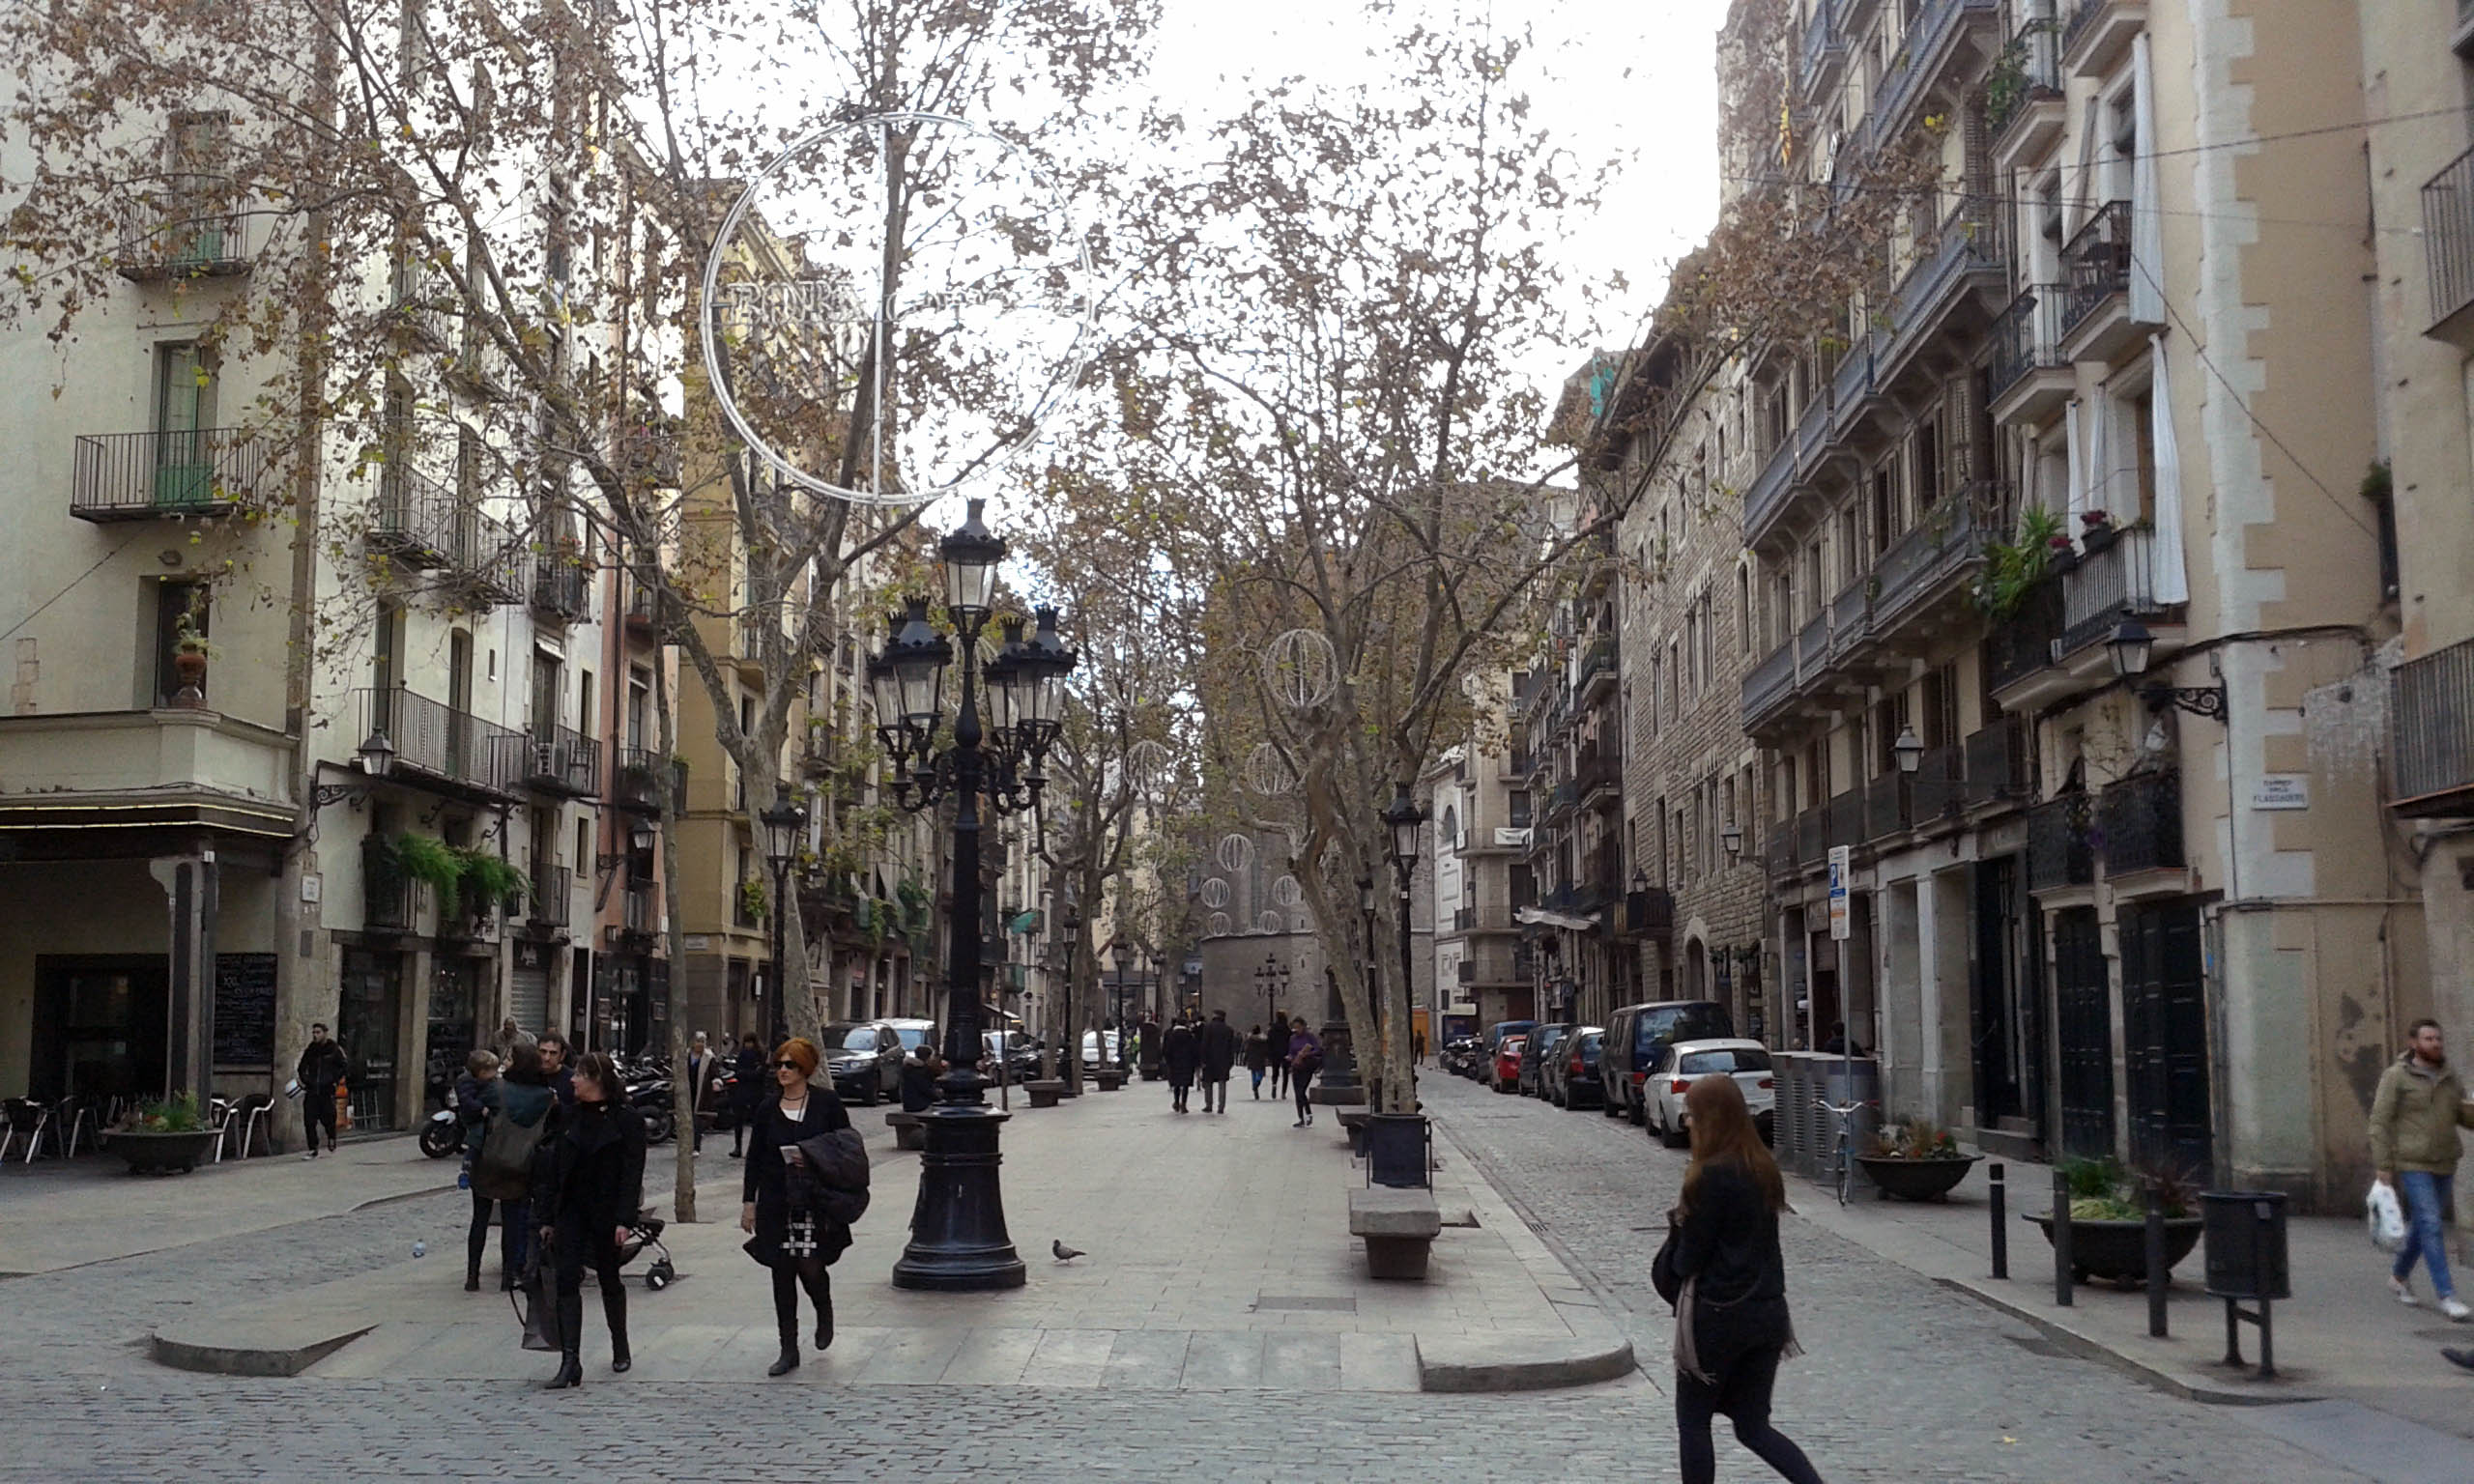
1550,918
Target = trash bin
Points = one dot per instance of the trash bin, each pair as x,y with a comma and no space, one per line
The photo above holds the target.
1395,1150
2245,1234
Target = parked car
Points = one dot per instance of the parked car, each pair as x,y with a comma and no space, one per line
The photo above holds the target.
1637,1034
1017,1052
1092,1054
1541,1050
1507,1067
1572,1078
1685,1061
864,1059
1496,1033
916,1034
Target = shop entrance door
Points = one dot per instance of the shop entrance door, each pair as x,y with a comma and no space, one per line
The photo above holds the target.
365,1022
102,1027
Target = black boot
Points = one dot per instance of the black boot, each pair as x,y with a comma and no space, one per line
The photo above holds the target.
568,1312
614,1306
820,1289
789,1360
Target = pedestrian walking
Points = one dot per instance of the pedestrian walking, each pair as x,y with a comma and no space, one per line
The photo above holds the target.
1275,1047
516,1103
2414,1118
1304,1058
748,1090
703,1079
323,1069
789,1239
1181,1053
510,1035
1259,1059
587,1191
920,1070
1722,1270
1219,1045
556,1068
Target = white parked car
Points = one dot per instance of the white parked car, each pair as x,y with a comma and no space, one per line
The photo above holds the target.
1685,1061
1091,1054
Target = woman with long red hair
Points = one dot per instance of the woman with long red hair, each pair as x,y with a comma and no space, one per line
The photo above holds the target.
1722,1270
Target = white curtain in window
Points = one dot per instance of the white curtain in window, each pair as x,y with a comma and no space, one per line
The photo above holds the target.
2146,224
2074,495
2167,573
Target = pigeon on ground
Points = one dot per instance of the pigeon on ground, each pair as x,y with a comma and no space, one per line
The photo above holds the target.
1064,1253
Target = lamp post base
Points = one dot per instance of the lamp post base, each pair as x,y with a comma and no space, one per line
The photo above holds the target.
958,1238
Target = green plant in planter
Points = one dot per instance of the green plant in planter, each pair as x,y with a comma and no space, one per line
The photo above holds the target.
427,858
483,878
752,904
2013,568
2102,1191
1915,1137
167,1115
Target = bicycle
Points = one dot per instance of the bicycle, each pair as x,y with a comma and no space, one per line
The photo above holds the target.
1844,1142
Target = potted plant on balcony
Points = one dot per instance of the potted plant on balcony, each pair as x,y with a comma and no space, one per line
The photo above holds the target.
191,653
1916,1159
427,858
483,882
2108,1219
165,1137
2013,568
2097,531
751,899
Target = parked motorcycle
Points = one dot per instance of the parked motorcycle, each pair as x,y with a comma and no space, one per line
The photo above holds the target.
650,1099
444,1134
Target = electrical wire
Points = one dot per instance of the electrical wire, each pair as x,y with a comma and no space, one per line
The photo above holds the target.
65,591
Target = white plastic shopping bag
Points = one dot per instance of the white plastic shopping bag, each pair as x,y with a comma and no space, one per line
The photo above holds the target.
2383,1218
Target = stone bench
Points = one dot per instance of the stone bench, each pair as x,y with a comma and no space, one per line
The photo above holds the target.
1399,1227
1044,1095
1110,1078
908,1132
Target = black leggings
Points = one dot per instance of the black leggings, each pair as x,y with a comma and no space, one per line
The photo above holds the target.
513,1216
1743,1395
578,1244
789,1276
1298,1083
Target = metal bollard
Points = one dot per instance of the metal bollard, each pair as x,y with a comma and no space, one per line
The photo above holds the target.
2155,1259
2061,1238
2001,1232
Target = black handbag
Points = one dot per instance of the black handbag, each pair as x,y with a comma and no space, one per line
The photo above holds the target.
1662,1274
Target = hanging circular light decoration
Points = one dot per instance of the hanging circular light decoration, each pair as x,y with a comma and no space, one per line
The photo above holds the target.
1267,921
1218,925
1235,851
1149,763
1268,774
1287,891
1301,669
1215,892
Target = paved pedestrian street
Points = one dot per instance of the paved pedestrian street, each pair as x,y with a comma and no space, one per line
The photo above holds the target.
1902,1380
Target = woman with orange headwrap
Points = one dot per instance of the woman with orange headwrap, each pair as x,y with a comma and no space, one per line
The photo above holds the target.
792,1240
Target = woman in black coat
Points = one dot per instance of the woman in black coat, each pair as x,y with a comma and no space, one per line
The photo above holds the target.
795,1242
1722,1270
587,1191
1181,1052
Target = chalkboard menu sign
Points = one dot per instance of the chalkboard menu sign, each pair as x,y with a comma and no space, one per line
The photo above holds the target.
244,1009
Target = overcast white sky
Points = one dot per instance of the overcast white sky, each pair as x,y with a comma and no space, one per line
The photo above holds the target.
1630,78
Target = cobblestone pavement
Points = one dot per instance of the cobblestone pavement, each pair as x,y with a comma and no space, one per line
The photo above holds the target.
1903,1382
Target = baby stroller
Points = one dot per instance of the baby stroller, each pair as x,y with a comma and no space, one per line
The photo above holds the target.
646,1233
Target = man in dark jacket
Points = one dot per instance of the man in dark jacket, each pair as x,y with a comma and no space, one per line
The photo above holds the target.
1181,1052
1219,1046
321,1067
701,1070
747,1091
554,1070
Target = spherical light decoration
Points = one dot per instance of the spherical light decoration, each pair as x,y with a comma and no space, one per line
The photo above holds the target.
1301,669
1268,922
1218,925
972,350
1215,892
1235,851
1268,774
1287,891
1149,765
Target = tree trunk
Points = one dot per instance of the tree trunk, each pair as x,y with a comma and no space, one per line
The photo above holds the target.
684,1163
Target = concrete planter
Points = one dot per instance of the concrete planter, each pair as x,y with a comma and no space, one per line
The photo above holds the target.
2117,1250
1044,1095
163,1154
1916,1180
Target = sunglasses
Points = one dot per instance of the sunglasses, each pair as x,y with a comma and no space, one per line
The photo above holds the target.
789,1065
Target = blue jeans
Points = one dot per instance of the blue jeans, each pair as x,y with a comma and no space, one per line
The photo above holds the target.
2425,1197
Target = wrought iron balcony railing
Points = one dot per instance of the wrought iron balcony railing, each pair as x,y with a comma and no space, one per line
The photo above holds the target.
195,471
2430,711
2138,821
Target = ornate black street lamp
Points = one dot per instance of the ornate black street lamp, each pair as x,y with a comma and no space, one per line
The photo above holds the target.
784,824
1119,951
1069,919
1403,817
958,1238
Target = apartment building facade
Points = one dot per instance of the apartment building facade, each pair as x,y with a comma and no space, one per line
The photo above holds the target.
1479,809
2065,593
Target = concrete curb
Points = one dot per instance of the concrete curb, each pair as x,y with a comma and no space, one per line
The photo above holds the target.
285,1350
2089,1349
1521,1365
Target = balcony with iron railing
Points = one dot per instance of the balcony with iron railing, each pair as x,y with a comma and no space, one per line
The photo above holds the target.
1937,790
1956,289
2020,644
1770,684
551,902
2431,719
1886,805
639,912
1996,762
555,759
2448,250
2028,377
1767,496
2095,265
1497,969
1846,815
490,564
1778,848
1945,38
438,745
390,900
1496,918
1812,836
1851,616
146,477
561,587
2109,584
1929,568
1649,915
2059,851
1595,678
2024,110
415,521
1823,49
2139,824
2098,33
1599,772
421,300
186,229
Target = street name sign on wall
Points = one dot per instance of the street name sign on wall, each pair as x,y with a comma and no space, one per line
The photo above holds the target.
2282,791
1839,925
